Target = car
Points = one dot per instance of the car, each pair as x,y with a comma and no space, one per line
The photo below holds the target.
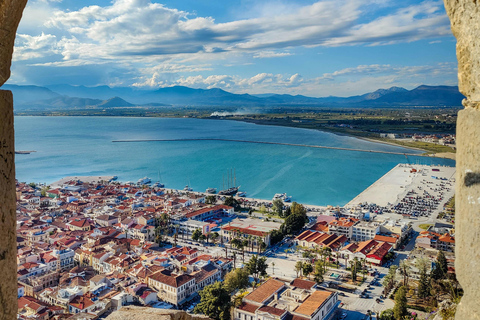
342,294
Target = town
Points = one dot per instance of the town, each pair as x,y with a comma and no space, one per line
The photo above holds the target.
89,246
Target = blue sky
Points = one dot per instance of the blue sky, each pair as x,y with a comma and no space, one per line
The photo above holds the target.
314,48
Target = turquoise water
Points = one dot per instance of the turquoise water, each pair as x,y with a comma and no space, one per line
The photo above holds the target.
79,146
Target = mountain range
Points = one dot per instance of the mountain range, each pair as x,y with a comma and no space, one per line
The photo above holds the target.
67,97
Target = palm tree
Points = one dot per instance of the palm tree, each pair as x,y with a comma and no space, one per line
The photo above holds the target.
298,267
244,244
234,260
405,272
273,267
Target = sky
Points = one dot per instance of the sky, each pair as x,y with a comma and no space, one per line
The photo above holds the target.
313,48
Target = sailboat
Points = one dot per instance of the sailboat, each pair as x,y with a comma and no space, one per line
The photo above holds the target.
230,191
158,183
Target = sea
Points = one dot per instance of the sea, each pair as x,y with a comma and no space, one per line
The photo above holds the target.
83,146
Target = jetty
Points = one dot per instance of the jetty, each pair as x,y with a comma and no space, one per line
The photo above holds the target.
276,143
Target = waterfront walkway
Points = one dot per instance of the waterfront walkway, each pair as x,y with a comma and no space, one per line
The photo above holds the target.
276,143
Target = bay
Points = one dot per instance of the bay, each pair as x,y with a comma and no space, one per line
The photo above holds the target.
82,146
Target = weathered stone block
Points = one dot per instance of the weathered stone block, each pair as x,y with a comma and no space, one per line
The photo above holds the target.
8,238
465,22
467,213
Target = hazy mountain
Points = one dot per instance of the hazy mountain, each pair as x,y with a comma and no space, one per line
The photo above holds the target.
25,94
115,102
34,97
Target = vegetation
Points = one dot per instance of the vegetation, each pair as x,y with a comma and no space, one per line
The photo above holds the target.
400,308
295,221
424,226
232,202
257,266
215,302
278,207
196,235
210,199
307,268
236,279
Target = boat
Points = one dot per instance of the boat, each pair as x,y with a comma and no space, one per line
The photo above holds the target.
187,188
159,185
211,190
230,191
241,194
144,180
282,196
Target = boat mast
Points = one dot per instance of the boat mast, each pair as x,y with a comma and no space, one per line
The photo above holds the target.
235,178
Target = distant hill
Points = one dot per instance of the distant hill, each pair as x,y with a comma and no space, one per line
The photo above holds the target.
26,94
74,97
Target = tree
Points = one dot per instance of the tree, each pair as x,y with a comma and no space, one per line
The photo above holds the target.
440,270
387,315
307,269
214,236
293,224
232,202
400,308
273,267
278,206
210,199
389,279
319,272
236,279
298,267
299,209
287,212
405,272
275,236
215,302
423,283
355,264
257,266
196,235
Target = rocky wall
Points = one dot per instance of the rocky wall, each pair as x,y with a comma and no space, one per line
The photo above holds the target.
465,23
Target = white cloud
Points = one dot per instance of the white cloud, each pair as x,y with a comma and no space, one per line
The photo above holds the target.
270,54
29,47
140,28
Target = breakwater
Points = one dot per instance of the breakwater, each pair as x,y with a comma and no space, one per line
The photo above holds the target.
274,143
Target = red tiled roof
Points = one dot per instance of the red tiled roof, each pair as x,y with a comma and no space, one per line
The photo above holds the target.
266,290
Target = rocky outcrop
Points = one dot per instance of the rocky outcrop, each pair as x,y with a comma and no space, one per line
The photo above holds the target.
10,14
139,313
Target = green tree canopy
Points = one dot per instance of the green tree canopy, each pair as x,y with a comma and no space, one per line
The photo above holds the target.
196,235
307,268
257,266
236,279
400,308
215,302
278,206
210,199
232,202
441,268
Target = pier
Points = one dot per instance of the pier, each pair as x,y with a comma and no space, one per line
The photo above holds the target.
276,143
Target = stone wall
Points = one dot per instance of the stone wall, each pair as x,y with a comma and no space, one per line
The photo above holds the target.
465,22
10,14
139,313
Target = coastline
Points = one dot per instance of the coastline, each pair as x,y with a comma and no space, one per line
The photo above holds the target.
443,155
